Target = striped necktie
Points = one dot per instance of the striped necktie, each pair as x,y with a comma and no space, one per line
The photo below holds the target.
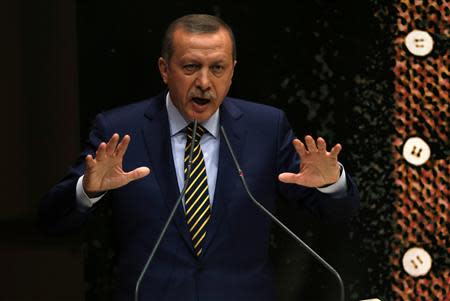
197,203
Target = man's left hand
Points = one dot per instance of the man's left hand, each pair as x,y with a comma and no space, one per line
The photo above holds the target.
318,167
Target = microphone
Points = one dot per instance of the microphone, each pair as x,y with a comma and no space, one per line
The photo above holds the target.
277,221
172,213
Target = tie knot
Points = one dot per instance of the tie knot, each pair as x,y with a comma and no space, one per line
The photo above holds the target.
190,130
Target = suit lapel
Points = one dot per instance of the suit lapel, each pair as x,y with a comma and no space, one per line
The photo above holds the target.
231,120
156,134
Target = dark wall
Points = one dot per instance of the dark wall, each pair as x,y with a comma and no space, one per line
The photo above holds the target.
40,138
322,62
326,63
295,56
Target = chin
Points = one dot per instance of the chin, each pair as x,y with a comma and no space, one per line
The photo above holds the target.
200,116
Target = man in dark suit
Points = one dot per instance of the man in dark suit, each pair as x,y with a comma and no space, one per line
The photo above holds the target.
217,246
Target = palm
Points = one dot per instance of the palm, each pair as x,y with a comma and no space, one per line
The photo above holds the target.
318,167
105,172
107,175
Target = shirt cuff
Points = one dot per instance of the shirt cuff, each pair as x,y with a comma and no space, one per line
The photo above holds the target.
83,201
338,189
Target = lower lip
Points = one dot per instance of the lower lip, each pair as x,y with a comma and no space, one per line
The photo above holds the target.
198,107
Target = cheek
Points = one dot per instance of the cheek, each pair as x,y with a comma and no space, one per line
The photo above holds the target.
180,86
223,87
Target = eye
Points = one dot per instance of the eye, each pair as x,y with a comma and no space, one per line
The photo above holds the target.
190,67
217,68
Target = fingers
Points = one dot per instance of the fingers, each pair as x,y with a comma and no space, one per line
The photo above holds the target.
100,154
90,163
113,147
321,145
123,145
336,150
310,143
112,144
299,147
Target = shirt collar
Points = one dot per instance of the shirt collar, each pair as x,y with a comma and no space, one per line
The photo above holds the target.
177,122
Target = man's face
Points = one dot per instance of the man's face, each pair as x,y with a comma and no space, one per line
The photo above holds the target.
199,72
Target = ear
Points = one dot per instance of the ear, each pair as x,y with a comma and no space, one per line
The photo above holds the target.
232,71
163,69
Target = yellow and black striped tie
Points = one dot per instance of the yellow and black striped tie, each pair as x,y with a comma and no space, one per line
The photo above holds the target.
197,203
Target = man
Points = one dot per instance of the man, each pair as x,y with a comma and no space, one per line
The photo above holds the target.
217,246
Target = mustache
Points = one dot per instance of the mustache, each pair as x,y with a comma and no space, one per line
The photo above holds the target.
202,94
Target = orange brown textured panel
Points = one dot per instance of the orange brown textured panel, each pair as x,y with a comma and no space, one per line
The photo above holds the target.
421,216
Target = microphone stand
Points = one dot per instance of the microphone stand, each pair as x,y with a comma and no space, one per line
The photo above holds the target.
172,213
278,222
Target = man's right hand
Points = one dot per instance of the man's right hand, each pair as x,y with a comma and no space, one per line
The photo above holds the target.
105,171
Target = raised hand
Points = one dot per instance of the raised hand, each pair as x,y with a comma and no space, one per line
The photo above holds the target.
318,167
105,171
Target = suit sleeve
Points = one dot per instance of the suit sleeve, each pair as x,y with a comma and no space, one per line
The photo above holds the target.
58,211
321,204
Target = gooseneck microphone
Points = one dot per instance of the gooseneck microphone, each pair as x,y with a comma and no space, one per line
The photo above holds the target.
277,221
187,181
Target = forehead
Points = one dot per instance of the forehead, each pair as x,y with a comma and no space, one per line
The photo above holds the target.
185,43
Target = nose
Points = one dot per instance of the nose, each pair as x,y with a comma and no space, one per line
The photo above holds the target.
202,81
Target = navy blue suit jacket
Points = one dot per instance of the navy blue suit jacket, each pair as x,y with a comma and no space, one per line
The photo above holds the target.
235,263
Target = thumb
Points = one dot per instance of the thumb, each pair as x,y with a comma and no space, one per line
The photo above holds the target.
137,173
288,177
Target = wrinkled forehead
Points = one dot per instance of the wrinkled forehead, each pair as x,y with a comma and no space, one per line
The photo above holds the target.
185,41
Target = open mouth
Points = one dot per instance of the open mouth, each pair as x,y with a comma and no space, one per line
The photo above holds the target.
200,101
